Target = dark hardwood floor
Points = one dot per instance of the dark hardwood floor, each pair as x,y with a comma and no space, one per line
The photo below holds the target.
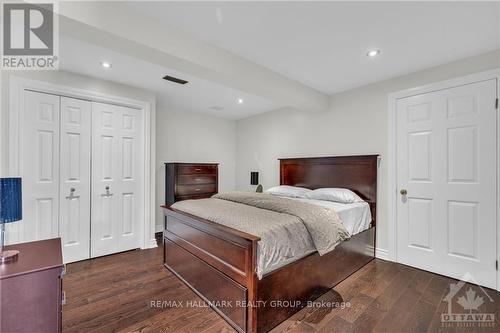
120,293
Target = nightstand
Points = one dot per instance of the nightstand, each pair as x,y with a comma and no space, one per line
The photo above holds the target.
31,288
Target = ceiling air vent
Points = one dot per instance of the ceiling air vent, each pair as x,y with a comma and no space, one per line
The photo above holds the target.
174,79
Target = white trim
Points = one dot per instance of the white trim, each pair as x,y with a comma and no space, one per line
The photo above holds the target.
392,158
18,85
152,243
382,254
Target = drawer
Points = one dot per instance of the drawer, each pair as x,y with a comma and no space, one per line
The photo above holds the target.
209,282
193,169
231,257
196,189
197,179
194,196
34,297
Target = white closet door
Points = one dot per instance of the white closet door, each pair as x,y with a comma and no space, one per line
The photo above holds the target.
447,164
40,167
74,218
117,169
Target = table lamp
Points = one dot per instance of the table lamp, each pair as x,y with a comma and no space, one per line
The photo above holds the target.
10,211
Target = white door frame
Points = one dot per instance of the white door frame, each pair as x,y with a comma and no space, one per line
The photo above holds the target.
392,151
17,85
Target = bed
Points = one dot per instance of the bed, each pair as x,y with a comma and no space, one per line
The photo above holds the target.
220,263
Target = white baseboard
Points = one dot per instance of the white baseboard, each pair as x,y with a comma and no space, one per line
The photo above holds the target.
158,227
382,254
152,243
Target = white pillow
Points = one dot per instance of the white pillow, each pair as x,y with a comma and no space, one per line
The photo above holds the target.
341,195
288,191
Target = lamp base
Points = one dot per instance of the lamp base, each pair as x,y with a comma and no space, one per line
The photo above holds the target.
8,256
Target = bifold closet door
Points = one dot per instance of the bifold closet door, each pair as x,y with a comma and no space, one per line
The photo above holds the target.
117,169
74,218
39,167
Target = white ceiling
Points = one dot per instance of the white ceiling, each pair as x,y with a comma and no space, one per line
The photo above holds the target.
197,96
324,44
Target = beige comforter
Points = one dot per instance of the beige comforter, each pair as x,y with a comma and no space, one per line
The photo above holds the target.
289,229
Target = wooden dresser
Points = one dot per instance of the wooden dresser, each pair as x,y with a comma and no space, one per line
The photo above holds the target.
31,288
190,181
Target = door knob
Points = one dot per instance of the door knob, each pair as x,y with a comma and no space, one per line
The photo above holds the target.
107,191
403,192
72,189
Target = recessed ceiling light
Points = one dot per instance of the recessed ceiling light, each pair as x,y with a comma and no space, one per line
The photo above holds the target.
373,53
106,64
240,100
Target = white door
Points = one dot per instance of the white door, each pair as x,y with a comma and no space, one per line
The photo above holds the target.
74,218
447,163
40,167
117,169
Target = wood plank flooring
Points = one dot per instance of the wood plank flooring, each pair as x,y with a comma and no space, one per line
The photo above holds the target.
115,294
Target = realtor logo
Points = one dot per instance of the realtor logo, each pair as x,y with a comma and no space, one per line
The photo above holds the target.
29,36
468,305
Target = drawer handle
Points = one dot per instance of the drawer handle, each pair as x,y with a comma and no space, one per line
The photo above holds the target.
197,189
64,299
197,169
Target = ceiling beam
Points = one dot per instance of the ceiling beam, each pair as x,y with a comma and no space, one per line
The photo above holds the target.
114,26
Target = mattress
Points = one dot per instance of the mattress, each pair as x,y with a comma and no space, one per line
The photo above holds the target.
356,217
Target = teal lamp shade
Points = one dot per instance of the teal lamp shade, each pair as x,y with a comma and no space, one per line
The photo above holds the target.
10,200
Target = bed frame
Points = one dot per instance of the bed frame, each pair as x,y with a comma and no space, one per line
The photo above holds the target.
219,263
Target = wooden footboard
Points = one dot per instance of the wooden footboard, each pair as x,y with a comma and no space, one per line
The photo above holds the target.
219,264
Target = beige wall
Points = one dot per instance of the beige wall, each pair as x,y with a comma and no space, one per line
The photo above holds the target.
191,137
356,123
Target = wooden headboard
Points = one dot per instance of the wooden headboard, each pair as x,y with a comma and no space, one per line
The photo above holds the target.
357,173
